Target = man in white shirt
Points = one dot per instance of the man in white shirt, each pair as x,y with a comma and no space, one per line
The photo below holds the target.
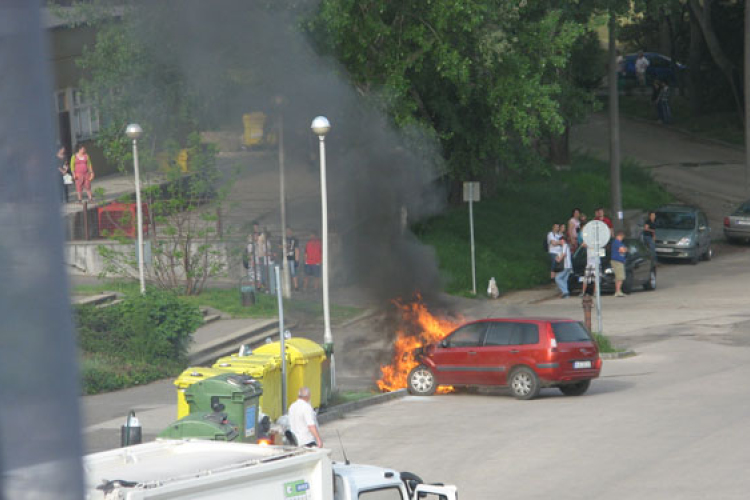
303,422
641,65
562,277
553,247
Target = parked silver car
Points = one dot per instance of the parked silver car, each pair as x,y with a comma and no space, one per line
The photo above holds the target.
737,224
682,232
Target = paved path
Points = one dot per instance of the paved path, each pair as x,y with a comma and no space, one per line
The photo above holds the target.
701,172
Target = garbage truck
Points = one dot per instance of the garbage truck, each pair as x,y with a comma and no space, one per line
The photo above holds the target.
204,470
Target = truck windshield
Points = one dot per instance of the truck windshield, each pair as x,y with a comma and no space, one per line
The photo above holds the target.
570,332
391,493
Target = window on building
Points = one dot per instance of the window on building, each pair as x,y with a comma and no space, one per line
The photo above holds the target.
85,117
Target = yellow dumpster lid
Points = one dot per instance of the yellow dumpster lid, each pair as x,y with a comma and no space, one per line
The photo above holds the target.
196,374
299,350
255,366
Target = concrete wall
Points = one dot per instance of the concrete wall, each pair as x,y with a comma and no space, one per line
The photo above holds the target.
83,257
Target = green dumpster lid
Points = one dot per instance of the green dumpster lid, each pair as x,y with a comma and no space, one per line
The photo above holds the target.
227,383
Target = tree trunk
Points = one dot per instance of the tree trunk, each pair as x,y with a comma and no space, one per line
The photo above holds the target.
614,126
703,15
559,147
665,33
694,61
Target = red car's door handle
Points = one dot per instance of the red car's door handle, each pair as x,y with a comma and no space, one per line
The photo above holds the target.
472,352
514,351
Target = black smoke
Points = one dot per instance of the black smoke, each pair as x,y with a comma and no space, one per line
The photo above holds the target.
240,55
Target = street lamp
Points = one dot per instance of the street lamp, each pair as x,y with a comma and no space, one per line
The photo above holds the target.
320,127
134,131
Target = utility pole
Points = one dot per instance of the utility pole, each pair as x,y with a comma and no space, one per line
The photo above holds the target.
285,284
614,126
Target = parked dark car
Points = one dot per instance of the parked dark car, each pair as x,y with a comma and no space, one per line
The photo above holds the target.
737,224
640,269
682,232
660,68
525,354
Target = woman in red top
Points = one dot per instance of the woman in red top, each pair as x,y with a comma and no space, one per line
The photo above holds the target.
83,172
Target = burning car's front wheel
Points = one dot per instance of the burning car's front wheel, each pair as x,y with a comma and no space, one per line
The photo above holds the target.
422,381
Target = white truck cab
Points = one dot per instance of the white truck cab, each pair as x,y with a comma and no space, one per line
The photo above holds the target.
367,482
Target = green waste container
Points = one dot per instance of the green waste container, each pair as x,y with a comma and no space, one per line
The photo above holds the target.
304,360
264,368
189,377
212,426
239,394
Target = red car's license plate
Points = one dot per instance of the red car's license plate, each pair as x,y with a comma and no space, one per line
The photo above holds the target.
579,365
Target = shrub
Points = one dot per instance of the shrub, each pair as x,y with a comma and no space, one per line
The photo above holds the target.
143,338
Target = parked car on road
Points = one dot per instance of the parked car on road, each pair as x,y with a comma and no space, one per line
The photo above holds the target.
737,224
640,269
682,232
524,354
660,68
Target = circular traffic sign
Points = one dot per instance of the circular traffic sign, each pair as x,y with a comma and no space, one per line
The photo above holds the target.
596,234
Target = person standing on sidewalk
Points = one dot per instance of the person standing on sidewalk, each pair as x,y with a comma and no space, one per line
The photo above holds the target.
303,422
562,277
66,177
292,256
553,248
313,258
83,172
574,225
649,233
619,251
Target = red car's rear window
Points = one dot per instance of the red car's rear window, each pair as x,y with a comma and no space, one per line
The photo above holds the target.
570,332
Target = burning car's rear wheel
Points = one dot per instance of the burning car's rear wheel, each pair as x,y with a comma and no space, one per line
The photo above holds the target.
577,389
524,384
422,381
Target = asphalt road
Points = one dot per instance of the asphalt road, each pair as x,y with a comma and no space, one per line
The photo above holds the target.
668,423
699,172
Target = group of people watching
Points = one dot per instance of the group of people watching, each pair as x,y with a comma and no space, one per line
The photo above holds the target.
262,254
563,241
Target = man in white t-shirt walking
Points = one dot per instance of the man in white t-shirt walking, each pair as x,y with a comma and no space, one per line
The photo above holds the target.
303,422
641,65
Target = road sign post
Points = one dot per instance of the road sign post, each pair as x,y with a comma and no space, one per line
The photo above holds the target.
471,194
596,235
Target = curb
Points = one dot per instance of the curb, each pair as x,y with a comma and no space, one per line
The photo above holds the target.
360,317
340,411
627,353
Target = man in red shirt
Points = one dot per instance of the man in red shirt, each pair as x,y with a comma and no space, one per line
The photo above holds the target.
599,215
313,257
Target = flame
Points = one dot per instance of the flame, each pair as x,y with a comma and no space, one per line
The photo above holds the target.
418,328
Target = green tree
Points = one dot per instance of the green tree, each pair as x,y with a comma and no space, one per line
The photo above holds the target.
485,75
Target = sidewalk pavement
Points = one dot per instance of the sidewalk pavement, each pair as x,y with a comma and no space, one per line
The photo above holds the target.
155,404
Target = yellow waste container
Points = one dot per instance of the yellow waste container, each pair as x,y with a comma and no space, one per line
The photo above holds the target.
304,358
188,378
254,124
266,370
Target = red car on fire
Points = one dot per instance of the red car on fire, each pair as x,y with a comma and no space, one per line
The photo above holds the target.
524,354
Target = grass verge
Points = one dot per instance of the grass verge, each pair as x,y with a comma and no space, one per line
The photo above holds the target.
510,228
227,300
605,345
723,126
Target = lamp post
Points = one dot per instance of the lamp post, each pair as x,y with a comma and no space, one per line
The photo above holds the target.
320,127
134,131
286,283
